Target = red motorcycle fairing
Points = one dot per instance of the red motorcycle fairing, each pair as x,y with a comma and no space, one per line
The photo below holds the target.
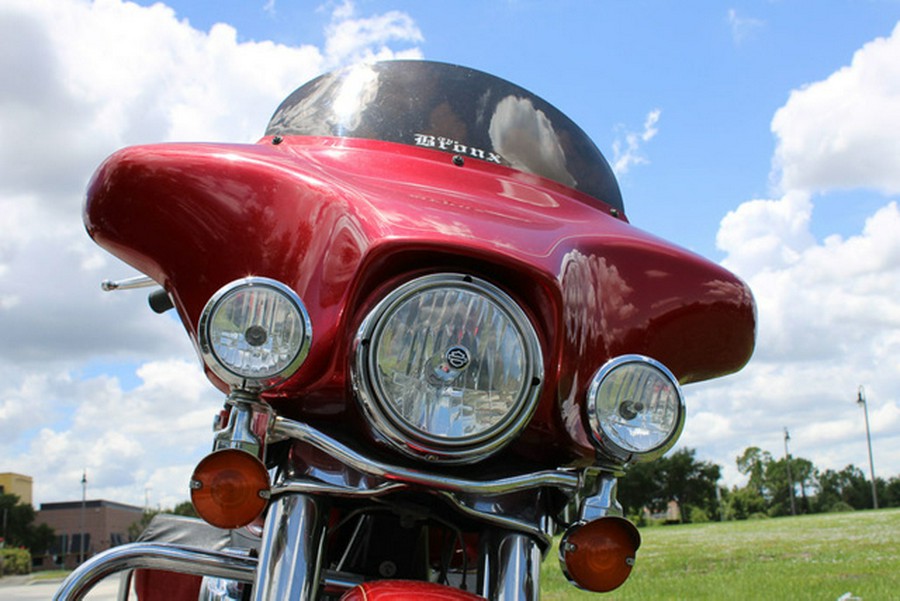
407,590
344,221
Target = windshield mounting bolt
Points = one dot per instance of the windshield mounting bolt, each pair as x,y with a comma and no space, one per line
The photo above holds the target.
614,212
458,160
277,140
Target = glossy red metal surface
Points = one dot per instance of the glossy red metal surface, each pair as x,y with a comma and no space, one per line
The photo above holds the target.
343,221
385,590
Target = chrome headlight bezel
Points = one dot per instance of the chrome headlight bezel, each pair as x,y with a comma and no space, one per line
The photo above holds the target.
604,435
246,380
386,423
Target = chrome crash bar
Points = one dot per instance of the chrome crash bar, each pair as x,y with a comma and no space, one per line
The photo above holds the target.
565,479
159,556
471,497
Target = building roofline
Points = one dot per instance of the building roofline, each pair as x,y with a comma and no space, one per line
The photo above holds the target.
96,503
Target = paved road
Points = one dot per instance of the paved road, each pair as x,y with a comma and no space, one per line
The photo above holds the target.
23,590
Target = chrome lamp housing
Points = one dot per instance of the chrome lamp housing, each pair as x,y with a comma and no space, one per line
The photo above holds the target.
254,333
635,408
447,368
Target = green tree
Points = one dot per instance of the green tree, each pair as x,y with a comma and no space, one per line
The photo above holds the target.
135,529
185,508
778,488
690,482
771,480
891,492
804,474
743,503
679,477
641,487
752,463
19,527
848,486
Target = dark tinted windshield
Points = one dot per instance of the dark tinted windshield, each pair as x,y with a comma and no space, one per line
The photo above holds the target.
449,108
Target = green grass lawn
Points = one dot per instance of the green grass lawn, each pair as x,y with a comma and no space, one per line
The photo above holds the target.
818,557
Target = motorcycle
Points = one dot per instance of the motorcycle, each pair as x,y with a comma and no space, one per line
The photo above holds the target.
440,341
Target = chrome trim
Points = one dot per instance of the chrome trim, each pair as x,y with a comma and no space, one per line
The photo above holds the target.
124,586
237,380
602,441
238,432
291,555
420,444
595,498
159,556
309,487
501,521
223,589
173,558
461,504
140,281
369,478
560,478
511,568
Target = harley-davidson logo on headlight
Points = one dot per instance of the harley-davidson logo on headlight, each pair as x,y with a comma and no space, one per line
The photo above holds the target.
458,357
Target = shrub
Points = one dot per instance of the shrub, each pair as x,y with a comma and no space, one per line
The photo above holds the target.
840,507
697,515
15,561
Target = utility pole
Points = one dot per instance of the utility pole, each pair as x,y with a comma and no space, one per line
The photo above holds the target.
787,460
861,400
83,507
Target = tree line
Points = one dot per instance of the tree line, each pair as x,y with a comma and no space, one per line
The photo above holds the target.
648,488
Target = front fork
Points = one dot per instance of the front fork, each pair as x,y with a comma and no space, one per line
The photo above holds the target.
293,545
510,567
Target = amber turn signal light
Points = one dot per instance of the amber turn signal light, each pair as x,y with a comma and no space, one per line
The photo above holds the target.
230,488
598,555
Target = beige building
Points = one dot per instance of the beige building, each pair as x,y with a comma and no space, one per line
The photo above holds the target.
16,484
105,525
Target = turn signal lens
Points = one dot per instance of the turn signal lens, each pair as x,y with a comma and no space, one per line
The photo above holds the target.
230,488
598,555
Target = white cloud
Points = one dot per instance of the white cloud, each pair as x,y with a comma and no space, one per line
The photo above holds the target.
123,439
627,152
353,39
842,132
742,27
829,314
82,80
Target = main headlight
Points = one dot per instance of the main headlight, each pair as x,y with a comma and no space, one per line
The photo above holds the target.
254,333
448,368
635,408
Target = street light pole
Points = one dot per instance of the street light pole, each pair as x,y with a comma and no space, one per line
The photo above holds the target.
861,400
83,505
787,460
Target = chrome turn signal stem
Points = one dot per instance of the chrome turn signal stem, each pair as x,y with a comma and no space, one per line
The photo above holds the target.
599,495
247,426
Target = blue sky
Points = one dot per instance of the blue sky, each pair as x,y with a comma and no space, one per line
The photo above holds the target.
763,135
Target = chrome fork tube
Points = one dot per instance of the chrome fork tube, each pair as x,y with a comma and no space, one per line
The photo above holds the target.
290,562
510,568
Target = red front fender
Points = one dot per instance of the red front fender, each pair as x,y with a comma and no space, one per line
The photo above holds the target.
385,590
